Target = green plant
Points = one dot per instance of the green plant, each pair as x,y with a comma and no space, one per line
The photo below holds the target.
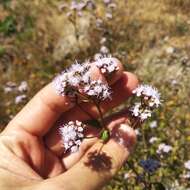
8,26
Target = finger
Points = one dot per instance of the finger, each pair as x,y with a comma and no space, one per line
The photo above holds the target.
39,115
122,89
101,161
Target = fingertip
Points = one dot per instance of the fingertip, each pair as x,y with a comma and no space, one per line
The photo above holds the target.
128,136
132,82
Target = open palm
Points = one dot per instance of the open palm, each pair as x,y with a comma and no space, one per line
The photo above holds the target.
31,152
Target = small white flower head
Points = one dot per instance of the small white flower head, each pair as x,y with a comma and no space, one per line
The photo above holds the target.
187,165
170,50
9,87
164,148
139,111
107,1
109,15
23,87
149,100
107,65
186,175
68,81
103,40
149,94
112,5
20,98
72,134
150,165
153,124
98,90
77,5
153,140
126,176
104,50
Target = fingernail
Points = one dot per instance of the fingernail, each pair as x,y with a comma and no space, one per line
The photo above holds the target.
124,135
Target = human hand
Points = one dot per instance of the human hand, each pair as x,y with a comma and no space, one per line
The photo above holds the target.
31,151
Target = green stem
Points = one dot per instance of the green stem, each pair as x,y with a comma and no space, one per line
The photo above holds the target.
82,109
97,104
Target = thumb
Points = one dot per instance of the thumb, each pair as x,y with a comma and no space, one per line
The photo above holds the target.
100,163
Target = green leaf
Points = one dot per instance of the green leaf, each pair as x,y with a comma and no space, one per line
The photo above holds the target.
105,135
8,26
159,186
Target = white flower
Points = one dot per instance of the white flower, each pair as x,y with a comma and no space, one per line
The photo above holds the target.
77,5
187,165
72,134
164,148
153,139
23,86
107,1
127,176
104,50
107,65
149,100
109,15
98,89
67,82
60,84
148,93
145,114
170,50
138,111
19,99
112,5
153,124
103,40
9,87
186,176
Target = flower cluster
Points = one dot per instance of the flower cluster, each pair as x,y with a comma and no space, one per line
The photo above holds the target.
153,124
77,6
150,95
150,165
69,80
98,89
164,148
20,90
20,98
153,139
187,165
11,86
186,175
149,100
77,80
72,134
107,65
77,83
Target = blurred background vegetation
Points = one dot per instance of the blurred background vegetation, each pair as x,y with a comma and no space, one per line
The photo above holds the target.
40,38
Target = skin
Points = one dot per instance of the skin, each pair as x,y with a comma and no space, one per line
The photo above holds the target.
31,153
